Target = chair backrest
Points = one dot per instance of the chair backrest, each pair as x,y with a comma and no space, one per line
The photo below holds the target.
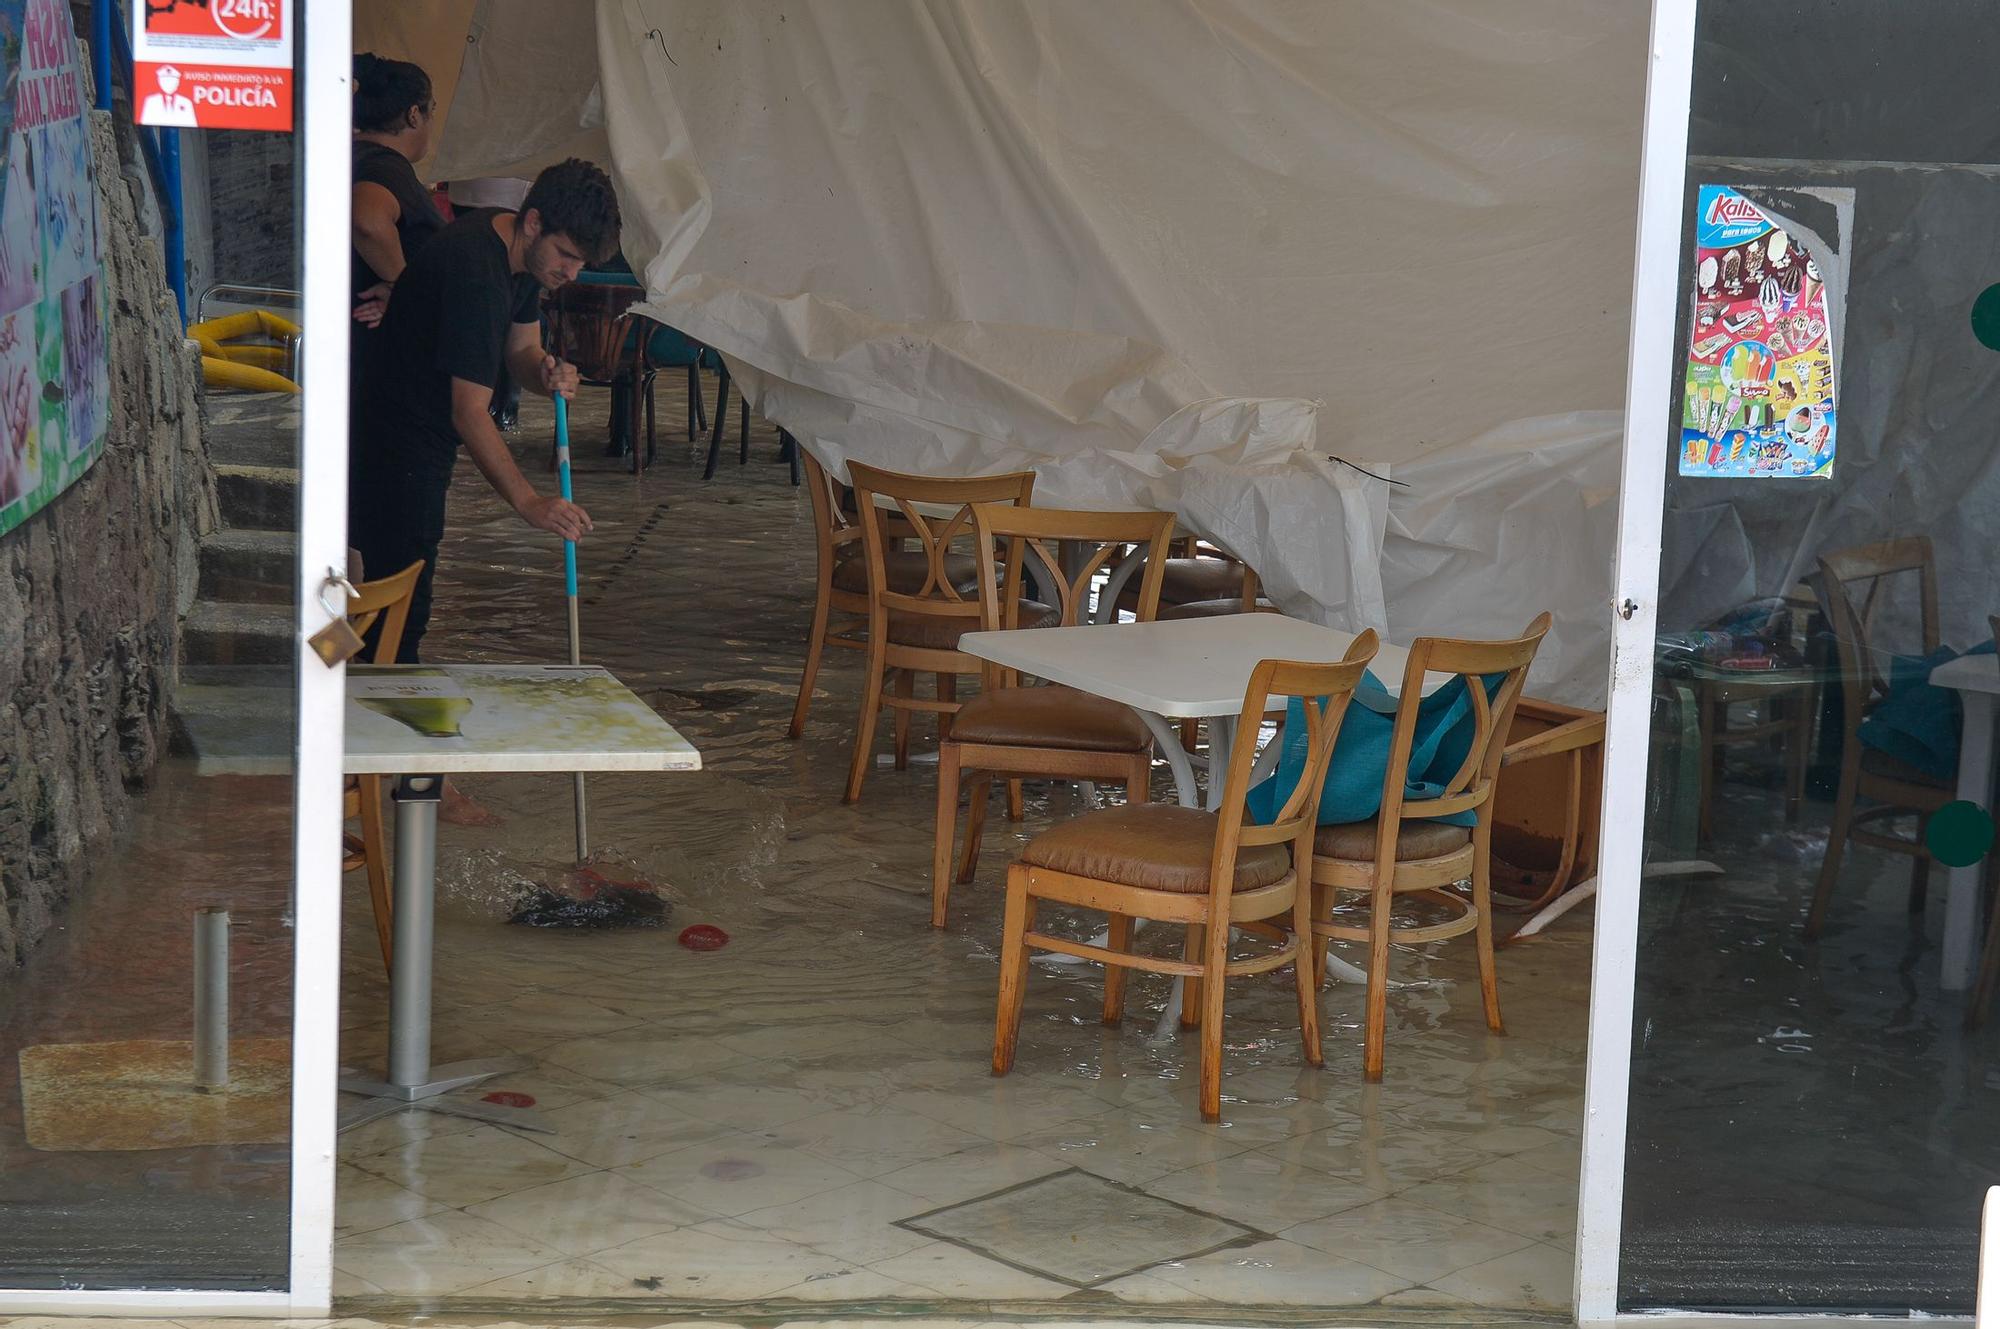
1852,586
1324,691
1012,536
387,598
933,534
1470,787
833,527
591,329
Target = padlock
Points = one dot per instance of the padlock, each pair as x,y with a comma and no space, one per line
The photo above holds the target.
337,642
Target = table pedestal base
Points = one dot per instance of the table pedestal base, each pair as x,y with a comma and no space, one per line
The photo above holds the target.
387,1099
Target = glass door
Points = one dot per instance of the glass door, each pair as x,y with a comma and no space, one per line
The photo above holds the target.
171,803
1804,1123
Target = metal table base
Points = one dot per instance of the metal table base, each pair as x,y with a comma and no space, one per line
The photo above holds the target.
412,1081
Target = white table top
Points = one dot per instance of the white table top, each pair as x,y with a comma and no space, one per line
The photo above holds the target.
1969,673
483,718
1181,668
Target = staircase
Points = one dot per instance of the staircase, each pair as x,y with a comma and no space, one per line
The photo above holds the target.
243,612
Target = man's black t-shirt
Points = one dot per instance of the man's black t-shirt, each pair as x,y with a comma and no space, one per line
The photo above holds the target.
376,164
450,317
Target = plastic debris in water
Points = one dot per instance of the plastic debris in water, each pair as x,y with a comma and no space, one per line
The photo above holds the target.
508,1098
591,900
704,937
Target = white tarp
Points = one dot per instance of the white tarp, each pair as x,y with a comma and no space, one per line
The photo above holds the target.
1174,252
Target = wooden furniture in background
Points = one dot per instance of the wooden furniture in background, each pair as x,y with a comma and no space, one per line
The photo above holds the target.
1545,810
1989,960
1206,870
1048,732
387,598
1402,853
914,628
1897,790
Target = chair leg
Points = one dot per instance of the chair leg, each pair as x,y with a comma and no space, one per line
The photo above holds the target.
975,827
1920,868
1302,975
906,688
1193,946
1215,966
864,729
815,648
790,446
947,691
1378,982
1798,754
1836,841
1139,781
652,435
1114,974
694,402
1482,904
374,844
1981,996
1016,803
1013,969
945,833
743,429
721,421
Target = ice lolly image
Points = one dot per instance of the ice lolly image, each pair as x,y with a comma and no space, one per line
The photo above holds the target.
433,717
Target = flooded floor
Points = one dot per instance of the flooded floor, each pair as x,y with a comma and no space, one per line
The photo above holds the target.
807,1116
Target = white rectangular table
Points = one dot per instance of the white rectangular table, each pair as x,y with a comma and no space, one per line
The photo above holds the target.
1180,669
1976,679
462,719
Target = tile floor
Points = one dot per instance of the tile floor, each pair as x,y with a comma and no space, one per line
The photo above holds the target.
807,1116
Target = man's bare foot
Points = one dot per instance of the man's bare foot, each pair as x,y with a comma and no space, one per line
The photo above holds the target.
460,809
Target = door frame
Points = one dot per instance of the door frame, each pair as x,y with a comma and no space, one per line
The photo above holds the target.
325,73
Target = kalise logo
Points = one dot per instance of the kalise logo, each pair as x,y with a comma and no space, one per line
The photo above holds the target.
1729,209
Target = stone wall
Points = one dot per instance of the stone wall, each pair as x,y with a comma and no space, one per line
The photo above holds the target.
92,589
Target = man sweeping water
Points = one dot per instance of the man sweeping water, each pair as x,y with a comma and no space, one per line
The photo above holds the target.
468,305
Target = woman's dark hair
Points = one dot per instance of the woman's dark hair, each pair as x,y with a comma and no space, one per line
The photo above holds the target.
384,92
575,198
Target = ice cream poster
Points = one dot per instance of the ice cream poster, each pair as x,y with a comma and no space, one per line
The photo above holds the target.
1760,366
55,381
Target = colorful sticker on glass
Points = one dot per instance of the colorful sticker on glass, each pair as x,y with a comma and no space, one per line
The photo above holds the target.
55,386
1759,400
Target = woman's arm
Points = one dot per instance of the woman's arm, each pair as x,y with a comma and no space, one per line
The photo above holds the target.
376,213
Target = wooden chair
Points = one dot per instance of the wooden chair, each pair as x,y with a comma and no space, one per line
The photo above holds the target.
591,326
840,601
1206,870
1896,790
1400,853
361,795
1203,581
1054,733
914,629
1989,960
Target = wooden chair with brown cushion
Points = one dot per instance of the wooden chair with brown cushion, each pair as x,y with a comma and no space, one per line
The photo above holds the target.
1401,853
840,603
1853,586
1049,732
914,628
388,599
1208,871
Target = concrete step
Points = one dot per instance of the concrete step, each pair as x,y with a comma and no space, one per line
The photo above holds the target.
237,634
249,567
258,498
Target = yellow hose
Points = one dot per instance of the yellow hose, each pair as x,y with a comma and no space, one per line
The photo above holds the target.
229,374
249,323
264,357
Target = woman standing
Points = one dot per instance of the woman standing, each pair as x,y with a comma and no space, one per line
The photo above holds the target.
393,212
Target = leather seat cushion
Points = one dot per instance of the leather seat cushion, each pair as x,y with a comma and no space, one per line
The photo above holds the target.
940,632
1051,717
905,570
1186,580
1355,841
1879,763
1158,846
1211,608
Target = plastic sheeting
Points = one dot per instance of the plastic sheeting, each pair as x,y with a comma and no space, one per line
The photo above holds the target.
1174,254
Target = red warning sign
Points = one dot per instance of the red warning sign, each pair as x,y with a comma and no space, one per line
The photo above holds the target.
213,64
